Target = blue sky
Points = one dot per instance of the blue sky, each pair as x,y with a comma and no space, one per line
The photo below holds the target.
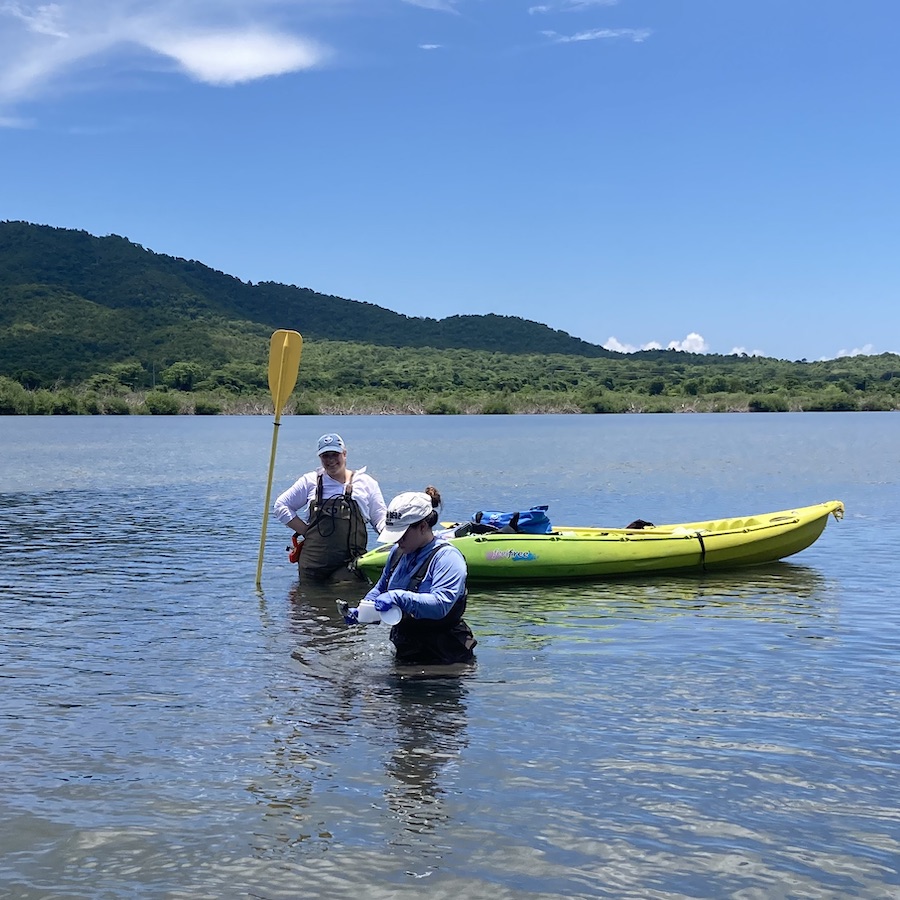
714,175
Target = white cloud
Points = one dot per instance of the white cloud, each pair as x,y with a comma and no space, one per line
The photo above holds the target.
638,35
693,343
616,345
47,48
743,351
865,350
43,46
233,57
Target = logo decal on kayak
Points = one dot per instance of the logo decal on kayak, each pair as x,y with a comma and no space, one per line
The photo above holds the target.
513,555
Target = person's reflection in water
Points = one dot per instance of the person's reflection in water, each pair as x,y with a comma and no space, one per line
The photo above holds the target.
314,618
431,720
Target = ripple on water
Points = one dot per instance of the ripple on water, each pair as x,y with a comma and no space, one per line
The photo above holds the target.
169,731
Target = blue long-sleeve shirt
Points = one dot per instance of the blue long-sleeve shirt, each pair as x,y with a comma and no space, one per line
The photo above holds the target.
444,582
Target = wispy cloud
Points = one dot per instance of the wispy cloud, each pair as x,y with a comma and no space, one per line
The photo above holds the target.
44,45
50,48
569,6
637,35
15,122
40,20
440,5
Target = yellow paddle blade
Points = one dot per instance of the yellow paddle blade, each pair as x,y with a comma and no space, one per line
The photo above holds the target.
284,361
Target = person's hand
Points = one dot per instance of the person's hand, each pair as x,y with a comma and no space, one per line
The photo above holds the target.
350,614
383,603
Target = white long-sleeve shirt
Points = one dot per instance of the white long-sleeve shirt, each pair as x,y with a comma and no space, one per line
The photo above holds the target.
295,501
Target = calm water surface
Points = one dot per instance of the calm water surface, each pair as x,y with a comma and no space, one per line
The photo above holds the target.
170,732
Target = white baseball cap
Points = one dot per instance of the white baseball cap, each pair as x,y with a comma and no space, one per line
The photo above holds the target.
404,510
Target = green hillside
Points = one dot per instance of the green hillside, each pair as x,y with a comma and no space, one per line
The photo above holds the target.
71,304
101,325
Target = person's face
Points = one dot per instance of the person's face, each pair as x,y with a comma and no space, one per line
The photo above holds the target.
333,462
414,538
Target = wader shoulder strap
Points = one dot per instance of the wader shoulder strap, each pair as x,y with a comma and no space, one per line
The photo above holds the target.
348,487
419,575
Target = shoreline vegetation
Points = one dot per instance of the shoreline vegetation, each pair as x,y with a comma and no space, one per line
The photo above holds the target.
346,378
18,400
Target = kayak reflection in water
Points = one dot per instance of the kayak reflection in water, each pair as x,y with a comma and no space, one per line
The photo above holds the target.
425,579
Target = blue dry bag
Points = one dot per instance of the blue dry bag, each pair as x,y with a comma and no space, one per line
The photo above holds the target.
529,521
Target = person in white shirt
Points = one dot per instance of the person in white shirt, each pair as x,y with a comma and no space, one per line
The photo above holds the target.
330,508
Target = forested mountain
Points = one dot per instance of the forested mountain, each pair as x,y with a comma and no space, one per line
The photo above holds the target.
71,304
101,325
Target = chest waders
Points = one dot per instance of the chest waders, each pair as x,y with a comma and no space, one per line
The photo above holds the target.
336,535
424,642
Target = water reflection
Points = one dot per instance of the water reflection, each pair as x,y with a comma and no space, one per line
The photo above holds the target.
723,588
707,736
375,726
430,722
313,610
768,592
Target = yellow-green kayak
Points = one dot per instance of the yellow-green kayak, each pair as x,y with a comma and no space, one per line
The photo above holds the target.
599,552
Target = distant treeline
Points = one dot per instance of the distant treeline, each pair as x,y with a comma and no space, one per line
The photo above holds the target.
345,378
94,325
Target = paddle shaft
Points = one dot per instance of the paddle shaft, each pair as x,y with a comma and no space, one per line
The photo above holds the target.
284,363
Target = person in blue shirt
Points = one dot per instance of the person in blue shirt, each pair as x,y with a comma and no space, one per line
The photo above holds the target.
425,576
